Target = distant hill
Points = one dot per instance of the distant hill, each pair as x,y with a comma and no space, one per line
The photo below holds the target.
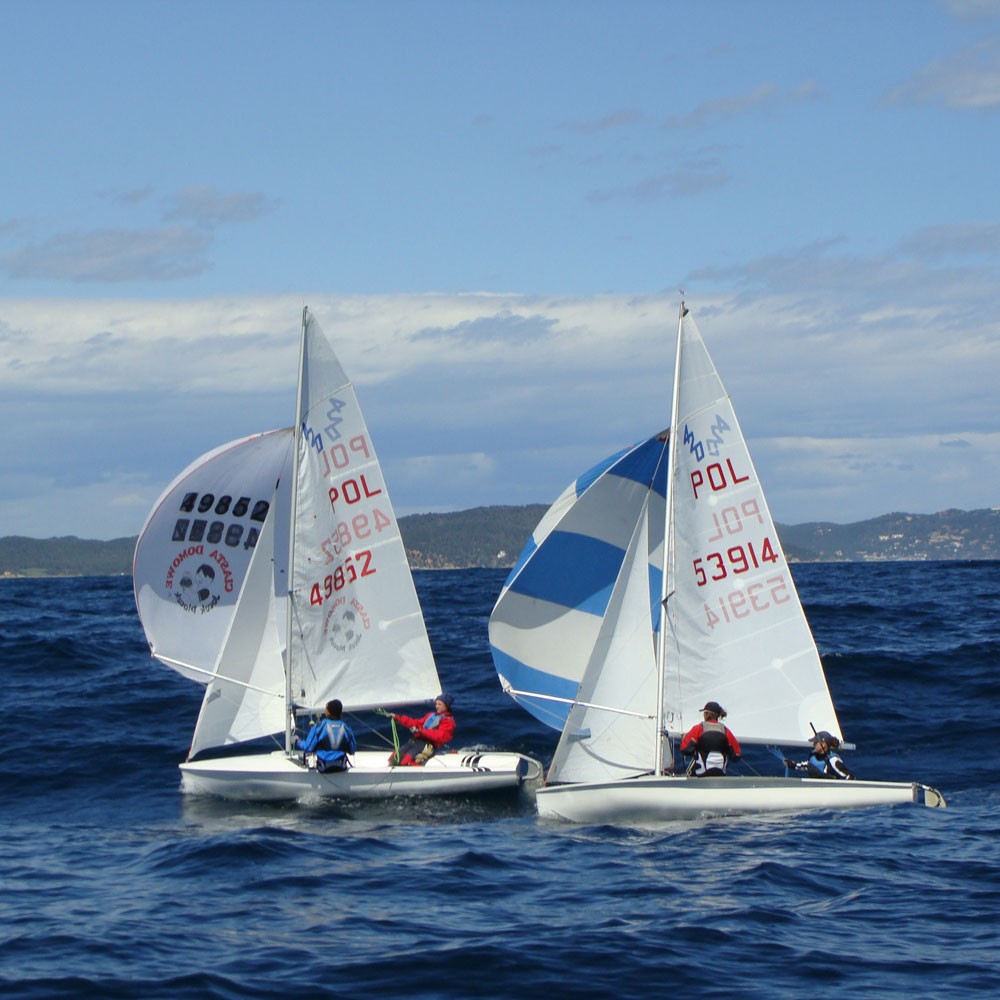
494,537
484,536
949,534
67,556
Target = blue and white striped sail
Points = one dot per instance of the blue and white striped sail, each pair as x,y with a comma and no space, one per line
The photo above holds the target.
550,615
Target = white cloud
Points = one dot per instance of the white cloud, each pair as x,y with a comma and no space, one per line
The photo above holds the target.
209,207
966,80
765,97
855,380
856,478
112,255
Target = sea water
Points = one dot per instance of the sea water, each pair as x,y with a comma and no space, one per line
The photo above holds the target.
113,884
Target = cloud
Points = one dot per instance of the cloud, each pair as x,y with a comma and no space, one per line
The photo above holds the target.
208,207
458,469
112,506
854,478
972,9
506,326
113,255
765,97
973,239
966,80
135,196
697,175
157,253
615,120
864,384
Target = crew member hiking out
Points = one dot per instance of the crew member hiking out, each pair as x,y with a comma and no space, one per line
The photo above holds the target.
429,733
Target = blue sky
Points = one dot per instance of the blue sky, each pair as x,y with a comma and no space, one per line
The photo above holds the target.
490,208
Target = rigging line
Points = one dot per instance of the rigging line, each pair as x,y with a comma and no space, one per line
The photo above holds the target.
213,676
369,726
513,692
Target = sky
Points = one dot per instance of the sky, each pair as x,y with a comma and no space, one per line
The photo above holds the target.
493,209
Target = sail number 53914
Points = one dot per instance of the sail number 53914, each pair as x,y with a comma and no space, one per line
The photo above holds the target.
736,559
742,603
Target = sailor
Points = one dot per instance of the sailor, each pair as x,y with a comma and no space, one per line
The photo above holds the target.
824,761
711,743
429,733
330,739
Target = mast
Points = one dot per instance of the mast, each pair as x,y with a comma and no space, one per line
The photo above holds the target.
667,574
296,439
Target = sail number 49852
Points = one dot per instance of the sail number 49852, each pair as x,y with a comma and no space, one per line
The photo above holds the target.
736,559
353,567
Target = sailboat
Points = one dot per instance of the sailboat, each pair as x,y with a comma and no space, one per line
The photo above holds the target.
272,571
655,582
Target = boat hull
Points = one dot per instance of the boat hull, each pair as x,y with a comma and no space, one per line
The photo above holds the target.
656,799
275,776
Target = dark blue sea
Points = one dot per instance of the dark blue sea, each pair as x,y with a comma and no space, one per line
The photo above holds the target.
113,884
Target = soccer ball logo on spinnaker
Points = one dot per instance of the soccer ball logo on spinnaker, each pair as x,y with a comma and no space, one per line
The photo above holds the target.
346,624
196,588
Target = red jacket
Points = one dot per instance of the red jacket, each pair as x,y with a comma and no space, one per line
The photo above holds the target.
695,731
439,733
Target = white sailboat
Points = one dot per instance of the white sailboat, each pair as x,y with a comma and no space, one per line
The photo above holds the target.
655,582
272,570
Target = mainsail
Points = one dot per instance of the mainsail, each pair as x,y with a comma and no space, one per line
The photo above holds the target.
737,632
357,631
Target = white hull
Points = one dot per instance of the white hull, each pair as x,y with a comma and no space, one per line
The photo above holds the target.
274,776
654,799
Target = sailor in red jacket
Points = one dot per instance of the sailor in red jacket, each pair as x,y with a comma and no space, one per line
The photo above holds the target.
712,744
430,733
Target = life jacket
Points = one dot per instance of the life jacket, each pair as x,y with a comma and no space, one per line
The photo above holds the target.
830,765
338,744
335,734
711,749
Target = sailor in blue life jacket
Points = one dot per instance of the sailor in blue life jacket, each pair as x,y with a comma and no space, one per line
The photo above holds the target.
330,739
824,761
712,744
